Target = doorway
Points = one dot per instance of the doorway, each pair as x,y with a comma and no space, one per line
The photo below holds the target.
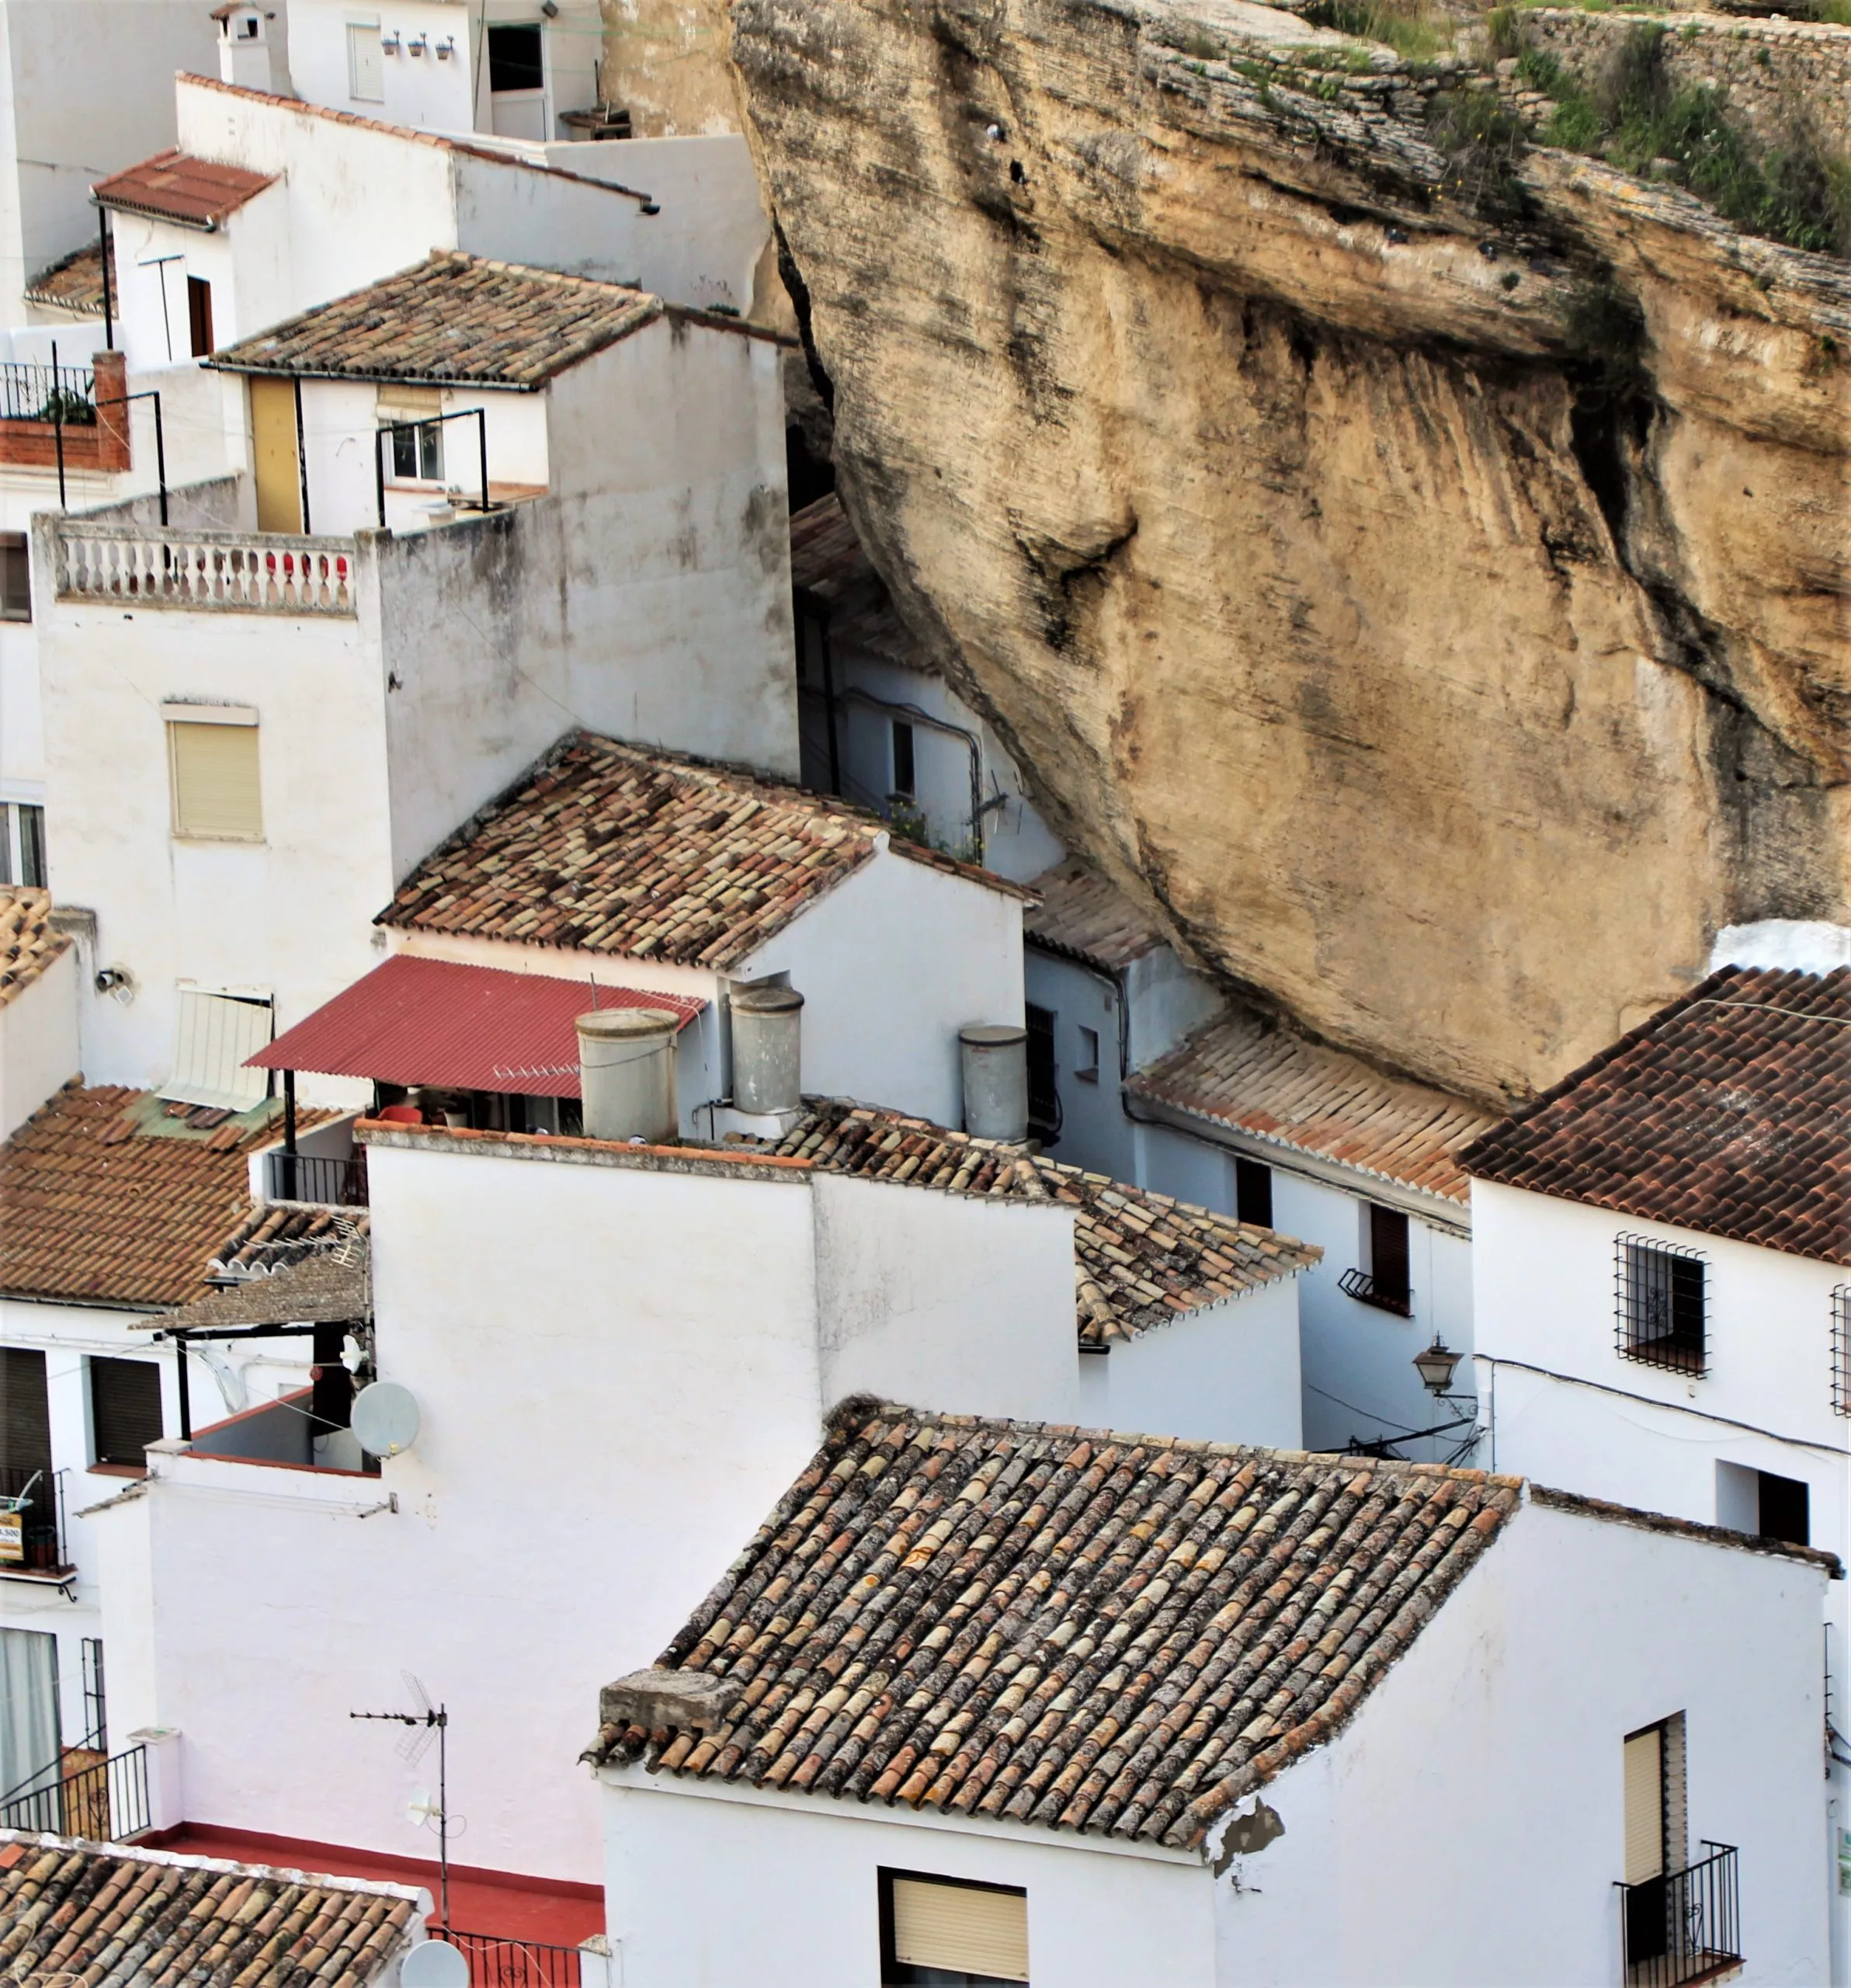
276,455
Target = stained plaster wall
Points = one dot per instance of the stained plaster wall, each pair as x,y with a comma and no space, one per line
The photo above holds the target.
38,1040
891,963
1570,1634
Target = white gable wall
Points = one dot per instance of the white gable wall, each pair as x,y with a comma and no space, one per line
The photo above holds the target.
1474,1809
891,963
39,1049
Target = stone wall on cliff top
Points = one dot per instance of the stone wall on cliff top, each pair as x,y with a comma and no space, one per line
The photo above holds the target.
1437,676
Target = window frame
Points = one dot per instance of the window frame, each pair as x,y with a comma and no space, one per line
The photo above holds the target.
891,1974
903,759
1252,1183
103,1367
537,30
203,717
425,441
1087,1072
1678,1349
354,92
198,316
15,546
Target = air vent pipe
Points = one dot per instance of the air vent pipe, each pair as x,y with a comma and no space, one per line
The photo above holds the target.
768,1065
627,1073
995,1072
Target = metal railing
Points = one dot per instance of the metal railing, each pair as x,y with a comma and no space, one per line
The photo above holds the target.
41,1521
1683,1927
1361,1286
275,572
83,1795
496,1963
304,1176
66,394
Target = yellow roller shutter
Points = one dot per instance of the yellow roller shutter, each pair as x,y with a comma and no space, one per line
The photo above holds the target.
1645,1805
216,794
962,1928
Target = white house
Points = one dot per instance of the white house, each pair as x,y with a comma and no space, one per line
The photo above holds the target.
591,1328
600,864
1248,1116
255,730
993,1701
1662,1265
883,727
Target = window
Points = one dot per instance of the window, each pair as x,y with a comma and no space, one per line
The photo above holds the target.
212,759
1383,1281
1841,1350
1043,1094
940,1931
16,577
25,1419
904,776
418,453
365,66
1659,1304
1253,1193
215,1035
29,1708
514,59
1783,1508
22,844
125,1409
96,1716
1088,1069
1656,1835
199,314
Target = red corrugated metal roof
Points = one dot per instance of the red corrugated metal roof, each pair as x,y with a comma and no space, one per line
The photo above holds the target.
419,1021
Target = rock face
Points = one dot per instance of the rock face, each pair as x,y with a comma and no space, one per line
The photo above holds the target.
1444,664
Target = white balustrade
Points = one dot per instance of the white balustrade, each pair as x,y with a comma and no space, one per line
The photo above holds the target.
249,572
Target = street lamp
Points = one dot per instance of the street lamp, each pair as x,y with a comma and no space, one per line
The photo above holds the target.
1435,1366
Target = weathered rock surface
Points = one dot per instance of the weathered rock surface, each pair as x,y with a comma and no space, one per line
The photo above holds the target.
1236,469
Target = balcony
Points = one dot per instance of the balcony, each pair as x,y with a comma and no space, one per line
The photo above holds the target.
85,1794
245,572
1683,1927
78,412
32,1527
315,1178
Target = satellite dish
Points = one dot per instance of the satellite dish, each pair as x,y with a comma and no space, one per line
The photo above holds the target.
385,1422
436,1964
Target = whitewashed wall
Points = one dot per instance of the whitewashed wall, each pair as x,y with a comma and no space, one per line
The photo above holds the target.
39,1049
892,963
948,1301
1228,1373
1469,1824
422,91
85,95
787,1891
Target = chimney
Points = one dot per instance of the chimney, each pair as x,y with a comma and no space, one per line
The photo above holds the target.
995,1071
768,1049
626,1074
243,49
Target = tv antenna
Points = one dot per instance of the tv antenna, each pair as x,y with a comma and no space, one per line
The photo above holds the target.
427,1723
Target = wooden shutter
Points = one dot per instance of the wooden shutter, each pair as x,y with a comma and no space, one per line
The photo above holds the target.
273,457
962,1928
215,794
1645,1805
125,1408
1388,1251
24,1418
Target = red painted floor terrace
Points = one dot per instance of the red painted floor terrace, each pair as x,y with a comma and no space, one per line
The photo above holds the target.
554,1912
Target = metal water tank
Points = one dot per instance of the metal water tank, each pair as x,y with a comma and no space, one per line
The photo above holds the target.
995,1071
767,1064
627,1073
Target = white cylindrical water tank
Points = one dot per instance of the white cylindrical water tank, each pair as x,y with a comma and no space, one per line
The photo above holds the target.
995,1070
767,1073
627,1073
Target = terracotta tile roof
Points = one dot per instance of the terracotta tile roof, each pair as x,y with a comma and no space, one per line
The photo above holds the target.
828,563
606,848
1085,917
28,944
1120,1634
1242,1072
269,1237
1728,1112
108,1200
1140,1259
333,1286
453,318
75,284
113,1916
174,185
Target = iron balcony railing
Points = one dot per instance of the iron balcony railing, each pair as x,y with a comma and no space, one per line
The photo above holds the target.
36,1500
83,1795
1684,1927
303,1176
47,393
496,1963
1360,1285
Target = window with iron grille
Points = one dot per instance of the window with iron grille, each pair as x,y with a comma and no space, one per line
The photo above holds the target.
1660,1291
1841,1350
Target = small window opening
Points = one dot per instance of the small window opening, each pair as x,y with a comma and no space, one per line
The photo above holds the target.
904,779
23,845
1383,1280
198,315
950,1934
1088,1071
16,577
1253,1193
418,453
1044,1089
